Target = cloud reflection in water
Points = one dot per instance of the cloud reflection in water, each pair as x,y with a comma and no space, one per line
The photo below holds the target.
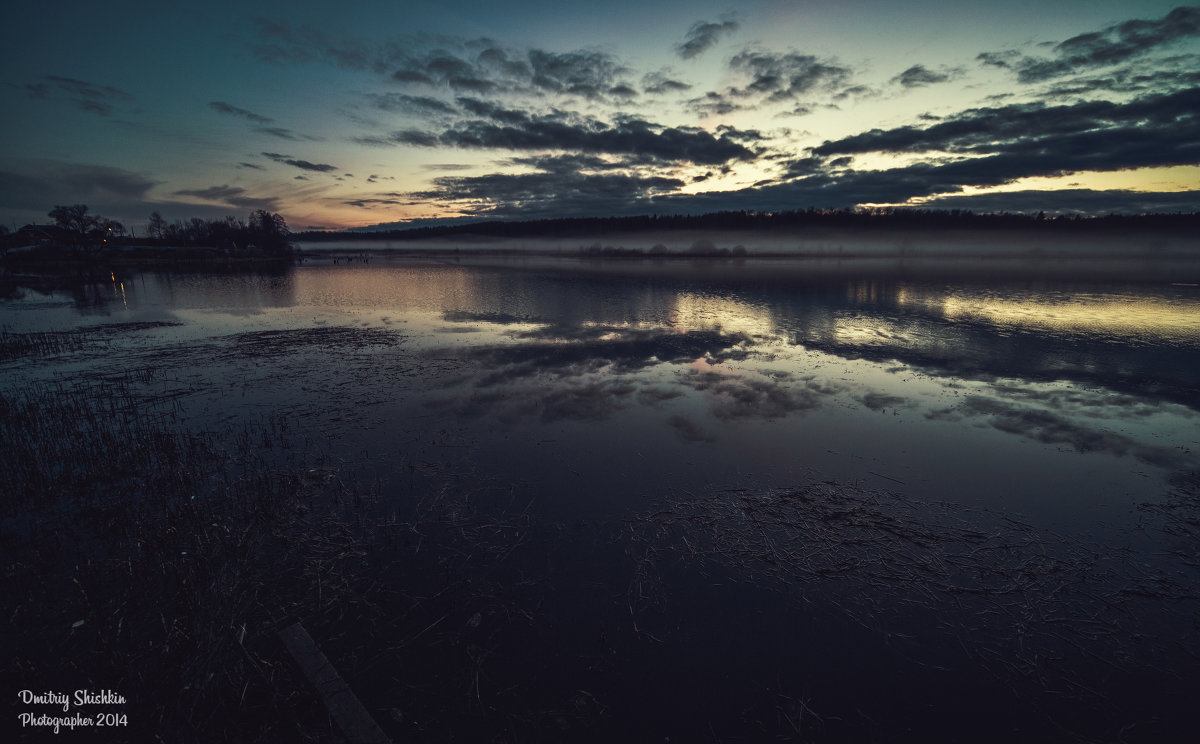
1055,367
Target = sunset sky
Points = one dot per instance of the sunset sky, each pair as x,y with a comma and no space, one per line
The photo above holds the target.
361,113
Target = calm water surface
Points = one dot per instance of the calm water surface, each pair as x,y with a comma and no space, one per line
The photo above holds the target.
1064,398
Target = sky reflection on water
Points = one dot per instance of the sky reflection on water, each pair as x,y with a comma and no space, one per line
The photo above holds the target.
1025,394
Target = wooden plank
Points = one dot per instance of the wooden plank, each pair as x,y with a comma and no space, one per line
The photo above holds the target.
351,717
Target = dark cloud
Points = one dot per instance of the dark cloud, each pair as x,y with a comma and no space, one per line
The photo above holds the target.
95,99
1129,80
1111,45
493,111
1004,60
250,165
702,36
507,63
412,76
480,66
778,78
440,167
658,83
591,74
1035,139
301,164
920,75
624,137
444,67
623,90
560,192
225,108
848,188
286,134
569,163
416,137
991,147
28,189
374,141
586,73
751,136
855,91
713,103
807,167
215,193
372,203
46,183
785,77
233,195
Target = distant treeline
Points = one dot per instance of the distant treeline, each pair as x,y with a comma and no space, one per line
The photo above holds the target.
767,221
78,234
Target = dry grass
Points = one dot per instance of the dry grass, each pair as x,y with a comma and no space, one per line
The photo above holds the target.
143,557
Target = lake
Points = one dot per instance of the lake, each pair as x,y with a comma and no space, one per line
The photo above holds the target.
897,497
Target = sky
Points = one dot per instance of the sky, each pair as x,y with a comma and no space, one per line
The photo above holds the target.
352,114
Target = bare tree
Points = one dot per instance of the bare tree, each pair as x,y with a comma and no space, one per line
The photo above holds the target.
157,228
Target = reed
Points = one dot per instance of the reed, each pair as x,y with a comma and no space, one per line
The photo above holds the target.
148,558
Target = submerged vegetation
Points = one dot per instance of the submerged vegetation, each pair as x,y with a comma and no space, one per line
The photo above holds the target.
49,343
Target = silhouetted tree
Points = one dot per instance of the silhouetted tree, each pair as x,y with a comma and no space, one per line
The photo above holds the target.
74,218
268,231
111,228
86,231
157,227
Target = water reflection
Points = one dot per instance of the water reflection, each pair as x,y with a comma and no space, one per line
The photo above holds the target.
572,350
1143,341
1081,434
705,310
1129,319
748,361
1095,370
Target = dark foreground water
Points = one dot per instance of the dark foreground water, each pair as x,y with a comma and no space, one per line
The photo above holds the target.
822,500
